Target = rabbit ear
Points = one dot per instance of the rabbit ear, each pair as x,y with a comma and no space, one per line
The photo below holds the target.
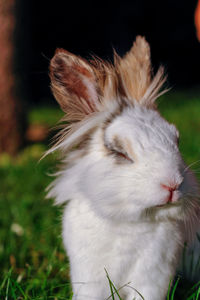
135,69
135,72
73,84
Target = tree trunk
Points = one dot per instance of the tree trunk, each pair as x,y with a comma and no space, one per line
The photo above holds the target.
10,131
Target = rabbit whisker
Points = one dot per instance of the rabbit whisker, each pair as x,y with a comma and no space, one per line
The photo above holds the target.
191,165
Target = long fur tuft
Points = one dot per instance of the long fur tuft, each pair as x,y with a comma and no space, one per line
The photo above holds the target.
89,91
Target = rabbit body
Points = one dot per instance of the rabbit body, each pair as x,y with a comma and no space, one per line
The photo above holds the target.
131,199
141,256
104,224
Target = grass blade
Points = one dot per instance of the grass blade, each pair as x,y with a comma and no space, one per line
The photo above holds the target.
111,286
169,289
198,293
174,288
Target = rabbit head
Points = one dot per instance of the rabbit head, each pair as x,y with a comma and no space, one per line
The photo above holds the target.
128,165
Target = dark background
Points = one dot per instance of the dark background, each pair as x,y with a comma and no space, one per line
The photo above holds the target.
96,27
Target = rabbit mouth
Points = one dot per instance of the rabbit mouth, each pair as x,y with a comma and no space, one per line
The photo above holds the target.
161,205
168,204
171,199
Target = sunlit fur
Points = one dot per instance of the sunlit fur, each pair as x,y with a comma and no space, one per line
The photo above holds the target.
117,216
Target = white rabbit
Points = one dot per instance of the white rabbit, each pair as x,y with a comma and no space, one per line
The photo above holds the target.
131,198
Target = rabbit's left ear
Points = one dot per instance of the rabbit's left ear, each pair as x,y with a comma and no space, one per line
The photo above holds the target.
135,72
74,84
135,69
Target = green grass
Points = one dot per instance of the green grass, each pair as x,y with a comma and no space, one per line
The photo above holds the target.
183,109
33,264
45,115
32,260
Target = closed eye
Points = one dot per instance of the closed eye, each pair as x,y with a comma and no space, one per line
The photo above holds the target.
117,150
122,155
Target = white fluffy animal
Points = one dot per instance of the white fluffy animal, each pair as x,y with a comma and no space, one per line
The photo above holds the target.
131,198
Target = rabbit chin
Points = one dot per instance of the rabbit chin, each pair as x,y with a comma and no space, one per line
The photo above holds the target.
171,211
120,213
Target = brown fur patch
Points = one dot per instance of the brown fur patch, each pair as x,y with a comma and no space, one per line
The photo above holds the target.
82,71
69,78
135,69
129,148
118,144
67,74
112,116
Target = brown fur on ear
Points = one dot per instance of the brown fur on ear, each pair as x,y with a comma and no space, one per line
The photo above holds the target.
85,89
74,85
134,69
82,88
107,79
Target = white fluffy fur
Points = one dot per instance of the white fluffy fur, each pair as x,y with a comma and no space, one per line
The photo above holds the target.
116,218
106,224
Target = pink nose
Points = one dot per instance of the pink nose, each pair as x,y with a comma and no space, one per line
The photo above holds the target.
171,189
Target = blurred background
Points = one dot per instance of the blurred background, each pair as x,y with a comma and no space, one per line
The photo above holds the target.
32,30
32,261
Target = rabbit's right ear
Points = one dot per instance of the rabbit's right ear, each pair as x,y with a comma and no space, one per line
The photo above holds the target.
73,84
